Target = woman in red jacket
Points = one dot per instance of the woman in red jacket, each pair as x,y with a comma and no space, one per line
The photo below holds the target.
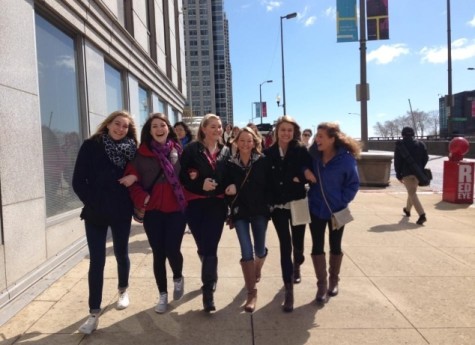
159,192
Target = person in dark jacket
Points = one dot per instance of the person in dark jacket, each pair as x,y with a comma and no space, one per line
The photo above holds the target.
249,207
406,173
334,164
183,133
159,192
99,182
290,166
203,166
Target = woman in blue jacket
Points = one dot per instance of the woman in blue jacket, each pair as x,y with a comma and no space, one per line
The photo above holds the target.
334,165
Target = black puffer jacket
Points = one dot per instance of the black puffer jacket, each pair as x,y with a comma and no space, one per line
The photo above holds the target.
194,163
254,195
283,172
95,181
417,149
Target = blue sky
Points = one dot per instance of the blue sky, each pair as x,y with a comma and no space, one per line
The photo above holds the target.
320,74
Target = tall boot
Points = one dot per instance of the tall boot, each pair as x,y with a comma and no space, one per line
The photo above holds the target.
249,272
334,270
209,276
259,262
289,297
298,260
320,266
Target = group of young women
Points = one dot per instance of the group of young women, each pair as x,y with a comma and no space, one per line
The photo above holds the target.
176,181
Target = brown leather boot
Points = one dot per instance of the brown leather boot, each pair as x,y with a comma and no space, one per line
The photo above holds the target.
259,262
334,270
249,272
289,297
320,266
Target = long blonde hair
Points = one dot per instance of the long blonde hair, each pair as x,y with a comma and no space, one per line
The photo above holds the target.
102,128
287,119
206,119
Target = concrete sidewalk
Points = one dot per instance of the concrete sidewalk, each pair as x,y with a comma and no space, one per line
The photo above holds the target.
400,284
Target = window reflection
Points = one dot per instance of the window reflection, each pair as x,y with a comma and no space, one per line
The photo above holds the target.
114,89
59,106
143,105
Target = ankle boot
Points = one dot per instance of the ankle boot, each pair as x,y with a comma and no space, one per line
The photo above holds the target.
259,262
298,260
209,276
334,270
249,272
320,266
289,297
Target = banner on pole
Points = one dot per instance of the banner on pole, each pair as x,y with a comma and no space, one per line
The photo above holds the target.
258,109
377,19
346,21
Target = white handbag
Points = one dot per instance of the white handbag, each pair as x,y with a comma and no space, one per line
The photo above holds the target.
299,212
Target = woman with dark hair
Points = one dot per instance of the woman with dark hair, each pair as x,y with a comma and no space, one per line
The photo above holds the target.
159,192
183,133
249,205
202,173
334,163
290,171
99,182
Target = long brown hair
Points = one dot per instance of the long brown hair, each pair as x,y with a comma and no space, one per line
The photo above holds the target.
102,128
287,119
257,141
146,136
341,139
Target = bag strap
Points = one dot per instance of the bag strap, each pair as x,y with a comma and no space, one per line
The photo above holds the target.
242,184
321,188
411,161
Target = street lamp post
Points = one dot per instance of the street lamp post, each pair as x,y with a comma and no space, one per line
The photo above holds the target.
288,16
260,96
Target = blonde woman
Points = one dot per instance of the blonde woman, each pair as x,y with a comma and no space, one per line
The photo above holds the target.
202,174
99,182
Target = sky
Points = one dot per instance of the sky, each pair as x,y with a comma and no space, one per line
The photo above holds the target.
409,69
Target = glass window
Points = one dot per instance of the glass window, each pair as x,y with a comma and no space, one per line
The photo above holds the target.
114,87
59,107
143,105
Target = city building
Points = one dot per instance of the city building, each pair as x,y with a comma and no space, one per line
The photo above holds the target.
65,65
463,115
208,64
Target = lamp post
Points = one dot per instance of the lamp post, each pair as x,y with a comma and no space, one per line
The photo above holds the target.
449,100
260,96
288,16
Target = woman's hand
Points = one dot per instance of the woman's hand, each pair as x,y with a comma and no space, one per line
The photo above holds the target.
128,180
310,176
209,184
230,190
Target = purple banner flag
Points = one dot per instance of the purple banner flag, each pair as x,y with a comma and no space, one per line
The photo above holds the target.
377,19
346,21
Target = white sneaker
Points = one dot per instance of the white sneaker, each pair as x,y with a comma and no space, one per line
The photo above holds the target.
179,288
161,306
90,325
123,301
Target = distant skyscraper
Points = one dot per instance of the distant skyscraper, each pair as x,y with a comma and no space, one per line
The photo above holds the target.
208,67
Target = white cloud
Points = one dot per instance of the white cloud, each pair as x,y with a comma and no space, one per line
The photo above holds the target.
387,53
310,21
66,61
271,5
330,12
462,49
472,22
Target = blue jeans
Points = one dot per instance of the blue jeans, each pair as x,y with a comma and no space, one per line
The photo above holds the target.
96,241
258,225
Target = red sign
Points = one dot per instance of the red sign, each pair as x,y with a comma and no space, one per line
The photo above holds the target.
264,109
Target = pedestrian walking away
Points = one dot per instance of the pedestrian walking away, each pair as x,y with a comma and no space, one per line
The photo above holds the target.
99,182
159,193
290,165
334,163
203,165
249,192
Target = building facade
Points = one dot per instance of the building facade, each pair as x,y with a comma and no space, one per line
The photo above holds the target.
462,121
65,65
207,57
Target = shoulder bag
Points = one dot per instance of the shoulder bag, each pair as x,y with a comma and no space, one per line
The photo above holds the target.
340,218
229,217
424,176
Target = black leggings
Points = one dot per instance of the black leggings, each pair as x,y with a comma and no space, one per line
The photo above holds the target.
317,229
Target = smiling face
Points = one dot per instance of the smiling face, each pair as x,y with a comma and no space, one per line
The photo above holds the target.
285,133
324,142
213,130
245,143
159,130
118,128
